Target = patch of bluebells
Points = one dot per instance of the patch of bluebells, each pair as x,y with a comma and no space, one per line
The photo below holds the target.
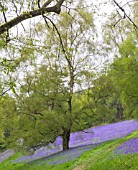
128,147
100,134
91,136
70,154
67,155
41,153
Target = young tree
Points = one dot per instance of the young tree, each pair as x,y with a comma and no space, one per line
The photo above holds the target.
72,60
50,90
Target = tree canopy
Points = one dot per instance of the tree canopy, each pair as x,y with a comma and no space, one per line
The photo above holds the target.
30,9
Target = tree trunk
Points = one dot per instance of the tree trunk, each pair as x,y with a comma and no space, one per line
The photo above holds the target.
67,129
66,138
120,111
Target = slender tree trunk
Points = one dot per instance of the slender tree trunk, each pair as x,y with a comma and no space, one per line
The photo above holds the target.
67,130
66,138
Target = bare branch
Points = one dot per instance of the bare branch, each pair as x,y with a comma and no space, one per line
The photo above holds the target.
125,15
43,14
61,42
5,19
47,3
38,4
56,9
5,92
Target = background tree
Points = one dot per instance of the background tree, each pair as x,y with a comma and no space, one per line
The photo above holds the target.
103,101
125,74
122,69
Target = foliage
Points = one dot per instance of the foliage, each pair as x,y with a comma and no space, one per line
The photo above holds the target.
124,71
104,101
122,39
8,118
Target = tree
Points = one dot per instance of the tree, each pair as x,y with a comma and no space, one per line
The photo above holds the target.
125,63
103,101
124,70
49,91
114,30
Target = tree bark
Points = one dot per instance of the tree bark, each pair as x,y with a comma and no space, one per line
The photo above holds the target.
120,111
66,138
67,131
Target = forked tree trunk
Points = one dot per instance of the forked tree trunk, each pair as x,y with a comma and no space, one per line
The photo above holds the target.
66,138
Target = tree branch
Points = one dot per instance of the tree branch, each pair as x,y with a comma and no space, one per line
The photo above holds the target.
5,91
56,9
61,43
125,15
47,3
5,19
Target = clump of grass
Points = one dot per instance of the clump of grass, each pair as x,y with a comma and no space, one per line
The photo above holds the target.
9,165
116,162
103,157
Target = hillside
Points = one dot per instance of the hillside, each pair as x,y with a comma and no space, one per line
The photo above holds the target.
100,154
68,84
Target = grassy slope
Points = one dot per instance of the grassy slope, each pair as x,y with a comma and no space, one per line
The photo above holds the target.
99,158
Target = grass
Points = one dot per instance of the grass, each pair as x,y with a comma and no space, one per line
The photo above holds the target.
98,158
8,165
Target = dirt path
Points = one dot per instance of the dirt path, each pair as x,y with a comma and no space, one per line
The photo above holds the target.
79,167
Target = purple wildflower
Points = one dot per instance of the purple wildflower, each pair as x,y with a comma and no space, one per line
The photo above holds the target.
100,133
92,135
130,146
